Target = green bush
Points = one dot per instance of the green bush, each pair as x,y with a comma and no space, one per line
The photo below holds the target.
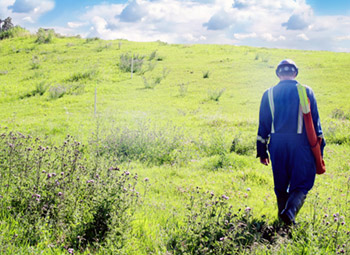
16,31
45,35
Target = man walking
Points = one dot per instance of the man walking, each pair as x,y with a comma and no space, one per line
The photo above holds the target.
282,133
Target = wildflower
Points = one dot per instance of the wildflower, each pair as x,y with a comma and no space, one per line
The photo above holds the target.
1,196
146,179
38,200
224,197
62,173
90,181
49,176
343,223
53,174
327,223
43,171
97,176
326,215
245,195
248,209
59,194
127,173
212,193
248,189
335,219
222,238
71,251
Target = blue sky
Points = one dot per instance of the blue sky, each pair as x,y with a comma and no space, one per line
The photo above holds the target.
295,24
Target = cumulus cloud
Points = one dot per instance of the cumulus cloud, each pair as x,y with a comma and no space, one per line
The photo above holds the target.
296,22
132,12
29,6
219,21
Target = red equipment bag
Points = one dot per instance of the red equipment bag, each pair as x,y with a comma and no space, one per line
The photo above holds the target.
315,142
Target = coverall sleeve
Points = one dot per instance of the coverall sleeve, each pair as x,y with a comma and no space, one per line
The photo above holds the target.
265,120
316,118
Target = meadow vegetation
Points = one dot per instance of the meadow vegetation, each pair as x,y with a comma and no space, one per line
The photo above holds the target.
165,163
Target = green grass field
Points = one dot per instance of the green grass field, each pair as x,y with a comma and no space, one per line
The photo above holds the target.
188,118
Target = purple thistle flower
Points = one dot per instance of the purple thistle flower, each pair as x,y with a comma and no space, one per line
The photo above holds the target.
343,223
62,173
43,171
127,173
248,189
53,174
38,200
326,215
335,219
49,176
248,209
146,179
71,251
59,194
224,197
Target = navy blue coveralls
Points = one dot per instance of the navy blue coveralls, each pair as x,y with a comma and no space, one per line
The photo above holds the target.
282,133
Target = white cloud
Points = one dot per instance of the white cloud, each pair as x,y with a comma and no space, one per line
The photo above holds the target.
303,37
342,38
75,24
244,36
263,23
270,38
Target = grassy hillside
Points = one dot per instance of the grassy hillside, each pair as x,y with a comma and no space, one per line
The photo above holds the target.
188,118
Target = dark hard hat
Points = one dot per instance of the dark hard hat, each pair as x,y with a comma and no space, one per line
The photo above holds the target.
287,65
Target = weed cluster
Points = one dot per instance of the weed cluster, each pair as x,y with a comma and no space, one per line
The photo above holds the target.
56,194
213,227
146,143
59,90
134,62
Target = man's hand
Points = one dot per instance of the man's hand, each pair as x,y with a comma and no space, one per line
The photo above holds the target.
265,161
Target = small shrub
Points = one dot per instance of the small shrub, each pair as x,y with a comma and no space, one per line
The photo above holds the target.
215,94
183,88
57,91
103,47
40,89
91,39
87,75
45,35
152,55
134,61
152,84
243,145
206,74
35,63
